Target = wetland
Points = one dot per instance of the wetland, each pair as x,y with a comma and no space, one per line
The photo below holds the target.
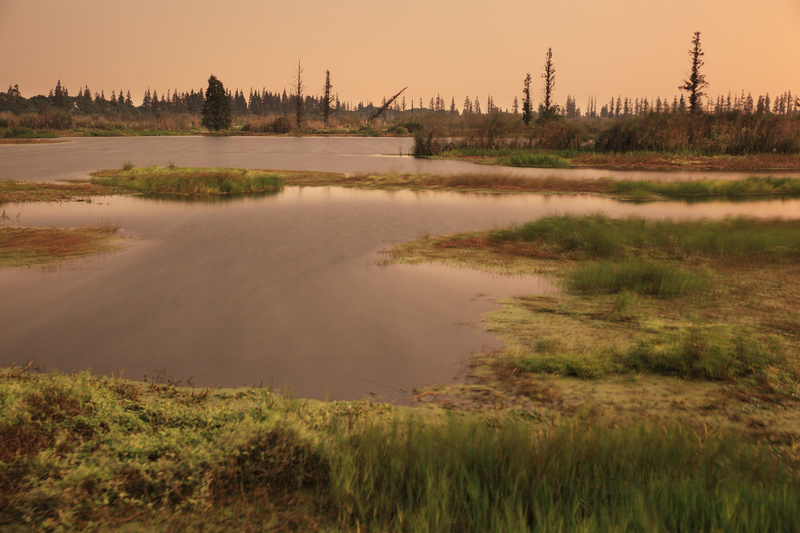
605,325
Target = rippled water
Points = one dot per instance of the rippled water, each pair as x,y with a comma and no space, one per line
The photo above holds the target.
281,290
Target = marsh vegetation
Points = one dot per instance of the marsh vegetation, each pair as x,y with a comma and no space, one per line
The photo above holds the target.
703,301
29,246
183,181
96,453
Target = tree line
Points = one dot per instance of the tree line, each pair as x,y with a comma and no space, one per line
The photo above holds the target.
693,100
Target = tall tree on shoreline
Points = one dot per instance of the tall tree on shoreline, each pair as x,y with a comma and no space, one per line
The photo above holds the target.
299,99
527,110
327,98
547,109
696,82
216,106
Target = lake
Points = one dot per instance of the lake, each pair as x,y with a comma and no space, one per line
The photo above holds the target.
285,290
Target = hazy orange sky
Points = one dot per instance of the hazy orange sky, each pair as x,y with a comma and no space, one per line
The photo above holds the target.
374,48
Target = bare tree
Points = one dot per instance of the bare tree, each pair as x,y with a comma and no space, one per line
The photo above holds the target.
327,97
300,104
378,112
696,82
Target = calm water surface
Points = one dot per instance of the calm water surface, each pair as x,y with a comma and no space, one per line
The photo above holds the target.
282,290
79,156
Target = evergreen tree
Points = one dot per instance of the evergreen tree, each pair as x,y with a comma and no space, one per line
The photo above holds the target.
515,106
548,109
696,82
216,106
327,97
299,99
453,106
527,108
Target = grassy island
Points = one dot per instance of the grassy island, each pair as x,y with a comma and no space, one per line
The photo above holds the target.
187,181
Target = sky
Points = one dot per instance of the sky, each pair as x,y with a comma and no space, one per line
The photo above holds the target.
374,48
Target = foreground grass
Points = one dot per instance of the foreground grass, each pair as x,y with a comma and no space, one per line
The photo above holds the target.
525,157
21,246
690,318
94,453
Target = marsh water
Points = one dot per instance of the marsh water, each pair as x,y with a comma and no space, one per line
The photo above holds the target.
281,290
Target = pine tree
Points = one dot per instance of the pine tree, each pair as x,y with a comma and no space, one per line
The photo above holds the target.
527,108
547,109
327,98
515,106
216,106
696,82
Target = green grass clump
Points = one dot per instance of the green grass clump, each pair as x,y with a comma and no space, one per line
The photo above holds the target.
21,132
599,237
648,278
188,181
750,187
557,363
711,353
535,160
715,352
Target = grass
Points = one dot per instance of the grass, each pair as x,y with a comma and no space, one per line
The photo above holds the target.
31,191
20,132
29,246
635,190
644,303
95,453
210,181
741,240
649,278
187,181
633,160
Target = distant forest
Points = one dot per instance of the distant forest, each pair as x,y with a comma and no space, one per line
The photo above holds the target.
266,103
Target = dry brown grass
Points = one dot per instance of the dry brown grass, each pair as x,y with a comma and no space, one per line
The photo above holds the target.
27,246
31,141
31,191
456,183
